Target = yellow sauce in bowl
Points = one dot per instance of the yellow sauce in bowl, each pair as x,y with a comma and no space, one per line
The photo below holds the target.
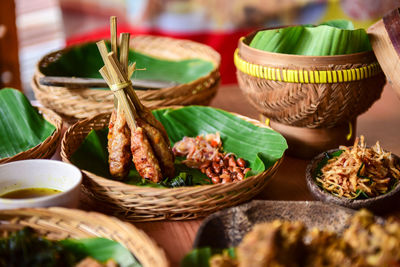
30,193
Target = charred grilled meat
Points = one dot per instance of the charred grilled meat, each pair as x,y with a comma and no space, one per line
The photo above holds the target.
119,145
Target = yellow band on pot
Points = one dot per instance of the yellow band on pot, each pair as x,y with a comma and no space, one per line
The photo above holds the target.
306,76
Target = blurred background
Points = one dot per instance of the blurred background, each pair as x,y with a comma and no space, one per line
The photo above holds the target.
31,28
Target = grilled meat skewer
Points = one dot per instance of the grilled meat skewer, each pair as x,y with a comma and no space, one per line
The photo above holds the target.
143,156
146,114
119,152
161,148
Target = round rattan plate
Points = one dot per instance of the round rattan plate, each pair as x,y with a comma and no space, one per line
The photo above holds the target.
60,223
83,103
135,203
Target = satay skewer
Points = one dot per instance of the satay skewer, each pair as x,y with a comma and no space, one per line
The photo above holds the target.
157,138
160,146
143,112
149,143
142,152
146,113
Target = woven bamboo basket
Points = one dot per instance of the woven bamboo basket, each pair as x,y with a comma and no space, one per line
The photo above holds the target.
60,223
84,103
308,91
135,203
45,149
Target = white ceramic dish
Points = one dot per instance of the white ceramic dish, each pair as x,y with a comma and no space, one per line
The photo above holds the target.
40,173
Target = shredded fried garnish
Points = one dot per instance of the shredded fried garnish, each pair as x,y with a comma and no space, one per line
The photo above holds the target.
360,170
198,149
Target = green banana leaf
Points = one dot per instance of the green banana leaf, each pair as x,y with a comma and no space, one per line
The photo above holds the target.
101,249
85,61
200,257
25,247
339,23
327,39
21,125
260,147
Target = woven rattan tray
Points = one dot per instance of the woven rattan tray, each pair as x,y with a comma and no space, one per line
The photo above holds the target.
60,223
84,103
45,149
308,91
136,203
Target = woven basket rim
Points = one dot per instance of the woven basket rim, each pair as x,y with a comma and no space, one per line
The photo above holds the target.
216,63
176,189
243,45
52,118
147,244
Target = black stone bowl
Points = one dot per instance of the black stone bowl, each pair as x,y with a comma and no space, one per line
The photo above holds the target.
226,228
382,203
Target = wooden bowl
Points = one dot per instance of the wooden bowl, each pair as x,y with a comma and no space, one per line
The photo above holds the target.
308,91
377,204
385,40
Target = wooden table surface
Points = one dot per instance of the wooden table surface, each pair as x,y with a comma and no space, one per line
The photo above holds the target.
381,122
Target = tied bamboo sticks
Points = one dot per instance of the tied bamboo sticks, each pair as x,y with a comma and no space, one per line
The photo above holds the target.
134,132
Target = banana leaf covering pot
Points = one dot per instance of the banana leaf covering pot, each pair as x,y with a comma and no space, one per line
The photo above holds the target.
308,91
314,101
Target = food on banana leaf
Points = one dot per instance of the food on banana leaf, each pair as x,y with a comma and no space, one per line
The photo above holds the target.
359,172
27,248
205,153
22,127
283,243
327,39
236,134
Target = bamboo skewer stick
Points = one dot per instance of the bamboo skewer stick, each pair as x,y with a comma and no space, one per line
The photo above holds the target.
117,67
82,83
129,89
124,52
113,40
113,30
131,69
122,99
101,45
124,62
112,64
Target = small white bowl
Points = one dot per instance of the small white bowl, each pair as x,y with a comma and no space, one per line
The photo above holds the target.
40,173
